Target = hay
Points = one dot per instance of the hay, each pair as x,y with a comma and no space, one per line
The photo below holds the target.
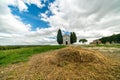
70,63
74,54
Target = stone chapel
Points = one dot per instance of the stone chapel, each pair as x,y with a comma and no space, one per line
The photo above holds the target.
66,39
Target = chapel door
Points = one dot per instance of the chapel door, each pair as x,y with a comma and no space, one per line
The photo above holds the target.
66,42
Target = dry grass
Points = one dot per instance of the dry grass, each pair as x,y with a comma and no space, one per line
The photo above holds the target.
71,63
75,54
110,52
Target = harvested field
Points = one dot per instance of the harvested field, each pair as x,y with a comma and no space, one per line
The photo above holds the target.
71,63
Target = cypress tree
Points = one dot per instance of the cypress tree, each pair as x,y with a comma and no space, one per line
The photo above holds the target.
71,38
74,37
59,37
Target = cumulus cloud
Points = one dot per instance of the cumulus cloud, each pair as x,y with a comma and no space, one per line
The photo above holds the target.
15,32
10,23
35,2
90,19
21,4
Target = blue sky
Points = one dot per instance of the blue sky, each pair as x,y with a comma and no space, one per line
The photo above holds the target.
32,16
36,22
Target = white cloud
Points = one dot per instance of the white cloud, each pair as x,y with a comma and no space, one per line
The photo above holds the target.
35,2
15,32
10,23
90,19
21,4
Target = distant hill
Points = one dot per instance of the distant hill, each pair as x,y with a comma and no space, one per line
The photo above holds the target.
112,39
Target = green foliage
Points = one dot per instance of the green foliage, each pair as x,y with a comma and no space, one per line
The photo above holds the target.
22,54
59,37
113,38
73,37
83,40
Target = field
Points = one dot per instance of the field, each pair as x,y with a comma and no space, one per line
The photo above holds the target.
16,54
22,62
110,51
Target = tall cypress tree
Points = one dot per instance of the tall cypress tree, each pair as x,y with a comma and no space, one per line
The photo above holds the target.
59,37
71,38
74,37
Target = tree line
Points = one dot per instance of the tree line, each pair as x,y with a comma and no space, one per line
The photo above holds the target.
114,38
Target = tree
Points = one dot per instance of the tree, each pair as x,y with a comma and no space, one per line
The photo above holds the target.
114,38
83,40
59,37
73,37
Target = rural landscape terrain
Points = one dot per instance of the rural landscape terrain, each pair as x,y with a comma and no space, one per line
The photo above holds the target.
75,62
59,39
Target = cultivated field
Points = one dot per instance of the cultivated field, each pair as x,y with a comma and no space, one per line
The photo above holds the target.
86,62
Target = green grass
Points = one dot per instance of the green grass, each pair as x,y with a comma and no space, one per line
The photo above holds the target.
13,56
10,47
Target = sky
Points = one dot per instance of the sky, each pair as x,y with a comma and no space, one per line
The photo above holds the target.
36,22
